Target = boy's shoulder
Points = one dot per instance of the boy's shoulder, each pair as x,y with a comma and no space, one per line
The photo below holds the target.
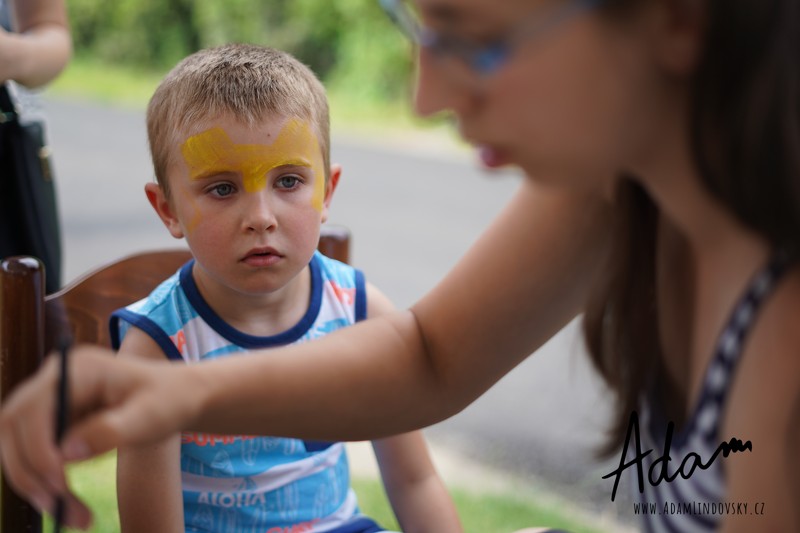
341,273
166,309
343,284
163,294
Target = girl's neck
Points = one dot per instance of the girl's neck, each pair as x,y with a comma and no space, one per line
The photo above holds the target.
707,257
719,242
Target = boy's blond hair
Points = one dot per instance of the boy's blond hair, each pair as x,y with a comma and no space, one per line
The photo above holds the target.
248,82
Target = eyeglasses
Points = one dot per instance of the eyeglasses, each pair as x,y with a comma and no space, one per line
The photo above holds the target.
482,59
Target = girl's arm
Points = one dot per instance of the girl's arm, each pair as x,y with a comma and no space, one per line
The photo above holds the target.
418,496
521,282
524,279
149,476
41,48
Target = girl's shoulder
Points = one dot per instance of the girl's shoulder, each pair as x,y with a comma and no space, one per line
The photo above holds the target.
775,342
771,360
764,408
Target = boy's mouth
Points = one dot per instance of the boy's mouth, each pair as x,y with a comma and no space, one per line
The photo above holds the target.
262,256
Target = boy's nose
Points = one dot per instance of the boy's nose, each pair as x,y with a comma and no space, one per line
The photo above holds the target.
259,213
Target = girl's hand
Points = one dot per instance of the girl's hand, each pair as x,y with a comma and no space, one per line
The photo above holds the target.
112,402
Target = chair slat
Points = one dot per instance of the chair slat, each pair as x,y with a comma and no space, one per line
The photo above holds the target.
21,351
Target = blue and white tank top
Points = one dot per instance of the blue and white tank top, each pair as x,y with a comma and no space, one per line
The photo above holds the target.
697,504
243,483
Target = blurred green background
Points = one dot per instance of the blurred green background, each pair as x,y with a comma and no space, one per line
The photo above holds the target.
350,44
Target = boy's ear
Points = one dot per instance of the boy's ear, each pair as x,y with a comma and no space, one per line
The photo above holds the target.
330,188
163,208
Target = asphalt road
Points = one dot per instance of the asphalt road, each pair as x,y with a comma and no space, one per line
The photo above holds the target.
413,211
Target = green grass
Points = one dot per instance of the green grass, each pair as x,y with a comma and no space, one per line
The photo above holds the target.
94,482
120,85
479,513
129,86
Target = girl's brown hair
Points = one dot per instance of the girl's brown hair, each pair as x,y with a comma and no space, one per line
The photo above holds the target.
745,139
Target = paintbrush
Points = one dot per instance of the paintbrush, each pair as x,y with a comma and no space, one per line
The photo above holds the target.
62,416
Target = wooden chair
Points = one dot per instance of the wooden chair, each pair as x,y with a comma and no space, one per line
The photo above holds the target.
31,323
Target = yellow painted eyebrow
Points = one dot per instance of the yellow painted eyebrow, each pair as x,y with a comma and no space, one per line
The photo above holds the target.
212,150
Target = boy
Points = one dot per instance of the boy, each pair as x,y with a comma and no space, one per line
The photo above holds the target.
240,145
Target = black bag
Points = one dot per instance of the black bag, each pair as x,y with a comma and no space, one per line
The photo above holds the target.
29,223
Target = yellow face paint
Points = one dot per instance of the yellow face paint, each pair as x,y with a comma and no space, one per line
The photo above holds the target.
212,151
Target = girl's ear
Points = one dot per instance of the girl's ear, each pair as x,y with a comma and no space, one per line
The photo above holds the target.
330,188
678,30
163,208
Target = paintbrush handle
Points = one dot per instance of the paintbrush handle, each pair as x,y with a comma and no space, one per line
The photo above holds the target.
62,414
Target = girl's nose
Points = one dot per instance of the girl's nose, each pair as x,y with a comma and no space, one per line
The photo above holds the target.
440,88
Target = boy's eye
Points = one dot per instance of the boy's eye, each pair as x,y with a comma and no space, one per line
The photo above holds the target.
221,190
287,182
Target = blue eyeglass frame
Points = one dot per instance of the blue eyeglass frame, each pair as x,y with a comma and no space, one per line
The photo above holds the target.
483,59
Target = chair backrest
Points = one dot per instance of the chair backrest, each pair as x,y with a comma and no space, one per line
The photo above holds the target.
31,324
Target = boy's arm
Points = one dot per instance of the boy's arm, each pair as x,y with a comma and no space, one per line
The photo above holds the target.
418,496
148,476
